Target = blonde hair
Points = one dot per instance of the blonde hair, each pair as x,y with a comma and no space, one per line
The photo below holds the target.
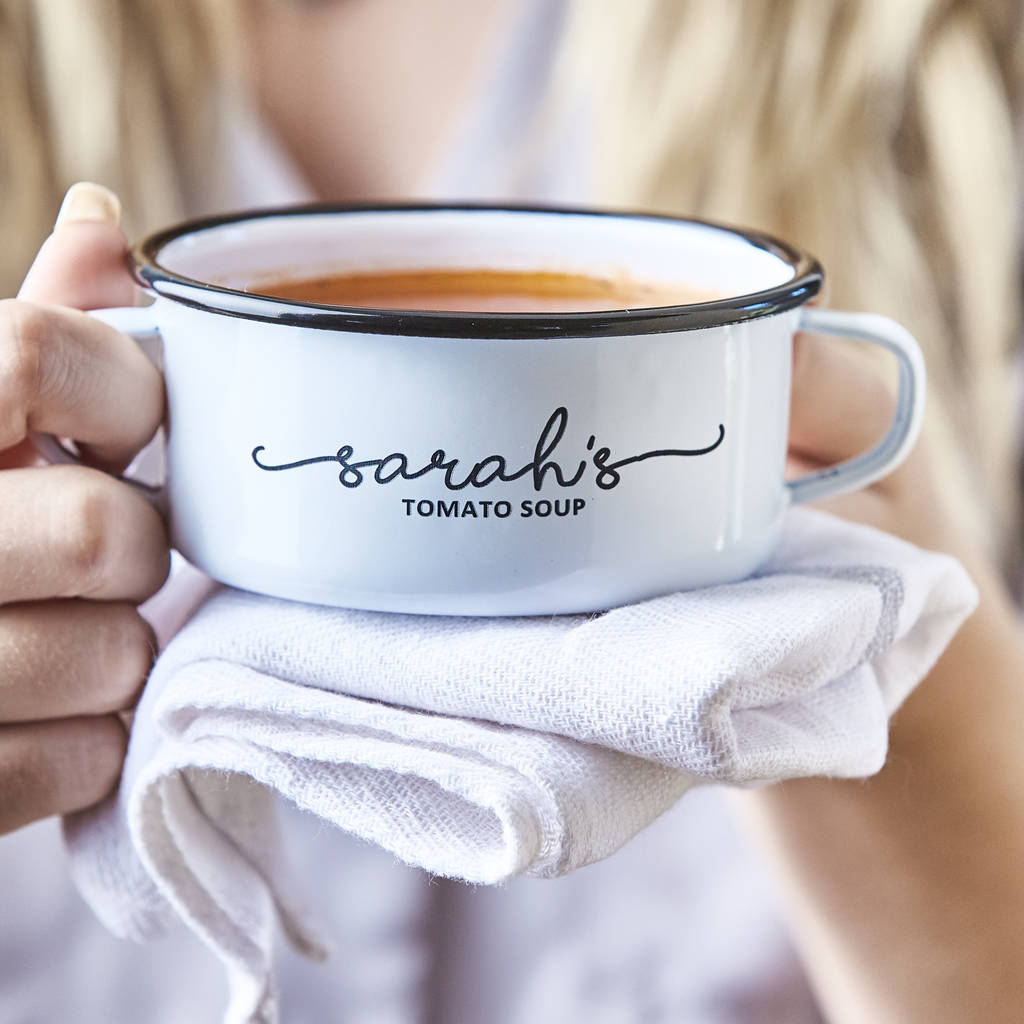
114,91
879,135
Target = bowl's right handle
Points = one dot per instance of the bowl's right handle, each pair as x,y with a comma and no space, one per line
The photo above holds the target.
865,469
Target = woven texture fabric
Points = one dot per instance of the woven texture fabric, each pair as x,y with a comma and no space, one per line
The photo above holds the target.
483,749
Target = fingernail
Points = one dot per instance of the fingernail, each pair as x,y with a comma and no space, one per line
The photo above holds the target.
89,201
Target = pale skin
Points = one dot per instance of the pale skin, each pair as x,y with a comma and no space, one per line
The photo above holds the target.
904,891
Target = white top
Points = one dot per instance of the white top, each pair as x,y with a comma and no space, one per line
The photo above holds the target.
678,926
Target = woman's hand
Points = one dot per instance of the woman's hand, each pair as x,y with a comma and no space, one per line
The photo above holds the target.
78,549
904,891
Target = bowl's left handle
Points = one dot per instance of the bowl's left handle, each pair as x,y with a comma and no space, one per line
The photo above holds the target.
139,323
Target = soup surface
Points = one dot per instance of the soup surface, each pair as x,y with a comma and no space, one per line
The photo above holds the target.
480,291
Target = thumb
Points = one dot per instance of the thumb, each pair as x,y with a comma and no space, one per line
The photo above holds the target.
83,263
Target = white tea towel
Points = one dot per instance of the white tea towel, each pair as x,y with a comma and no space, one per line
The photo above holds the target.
487,748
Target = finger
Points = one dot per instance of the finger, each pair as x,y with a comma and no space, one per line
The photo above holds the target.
59,659
841,405
65,373
68,531
57,767
24,453
84,262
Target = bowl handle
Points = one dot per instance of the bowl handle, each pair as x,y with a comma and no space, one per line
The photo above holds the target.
138,323
865,469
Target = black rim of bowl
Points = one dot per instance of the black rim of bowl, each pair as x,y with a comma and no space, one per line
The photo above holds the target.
805,283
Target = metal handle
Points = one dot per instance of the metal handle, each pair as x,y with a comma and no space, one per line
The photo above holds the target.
138,322
865,469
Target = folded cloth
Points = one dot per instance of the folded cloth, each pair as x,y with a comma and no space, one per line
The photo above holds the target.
481,748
